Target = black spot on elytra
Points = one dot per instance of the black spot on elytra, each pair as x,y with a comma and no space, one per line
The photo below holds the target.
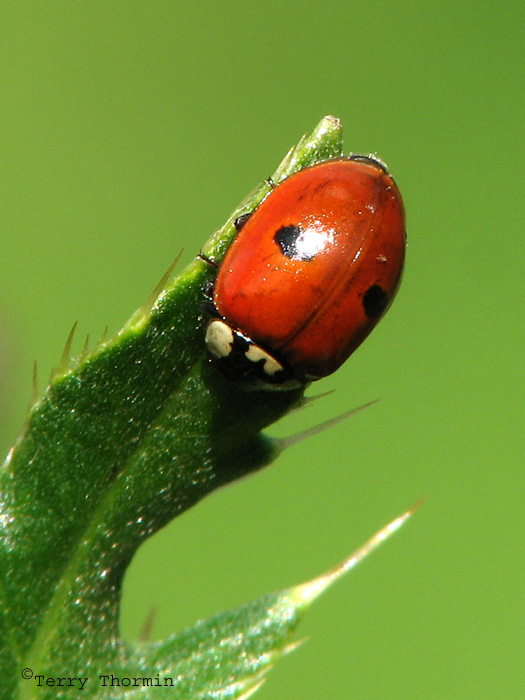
287,238
375,301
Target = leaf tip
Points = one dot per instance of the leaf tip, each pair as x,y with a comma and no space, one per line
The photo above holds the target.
283,443
65,361
146,308
143,314
329,124
34,388
251,691
307,592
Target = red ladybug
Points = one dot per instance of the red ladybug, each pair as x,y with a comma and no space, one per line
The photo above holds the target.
310,273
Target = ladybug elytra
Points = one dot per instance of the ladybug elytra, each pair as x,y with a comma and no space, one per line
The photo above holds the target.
310,273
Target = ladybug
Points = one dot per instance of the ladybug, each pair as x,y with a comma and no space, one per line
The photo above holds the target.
309,274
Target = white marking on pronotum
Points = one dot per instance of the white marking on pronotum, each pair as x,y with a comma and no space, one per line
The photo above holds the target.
256,354
219,339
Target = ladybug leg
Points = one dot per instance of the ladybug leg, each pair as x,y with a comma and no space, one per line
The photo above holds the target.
208,260
207,306
241,220
372,160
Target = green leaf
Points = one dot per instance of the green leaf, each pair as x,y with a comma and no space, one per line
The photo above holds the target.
229,655
126,437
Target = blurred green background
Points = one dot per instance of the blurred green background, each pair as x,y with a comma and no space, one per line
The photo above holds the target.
130,130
